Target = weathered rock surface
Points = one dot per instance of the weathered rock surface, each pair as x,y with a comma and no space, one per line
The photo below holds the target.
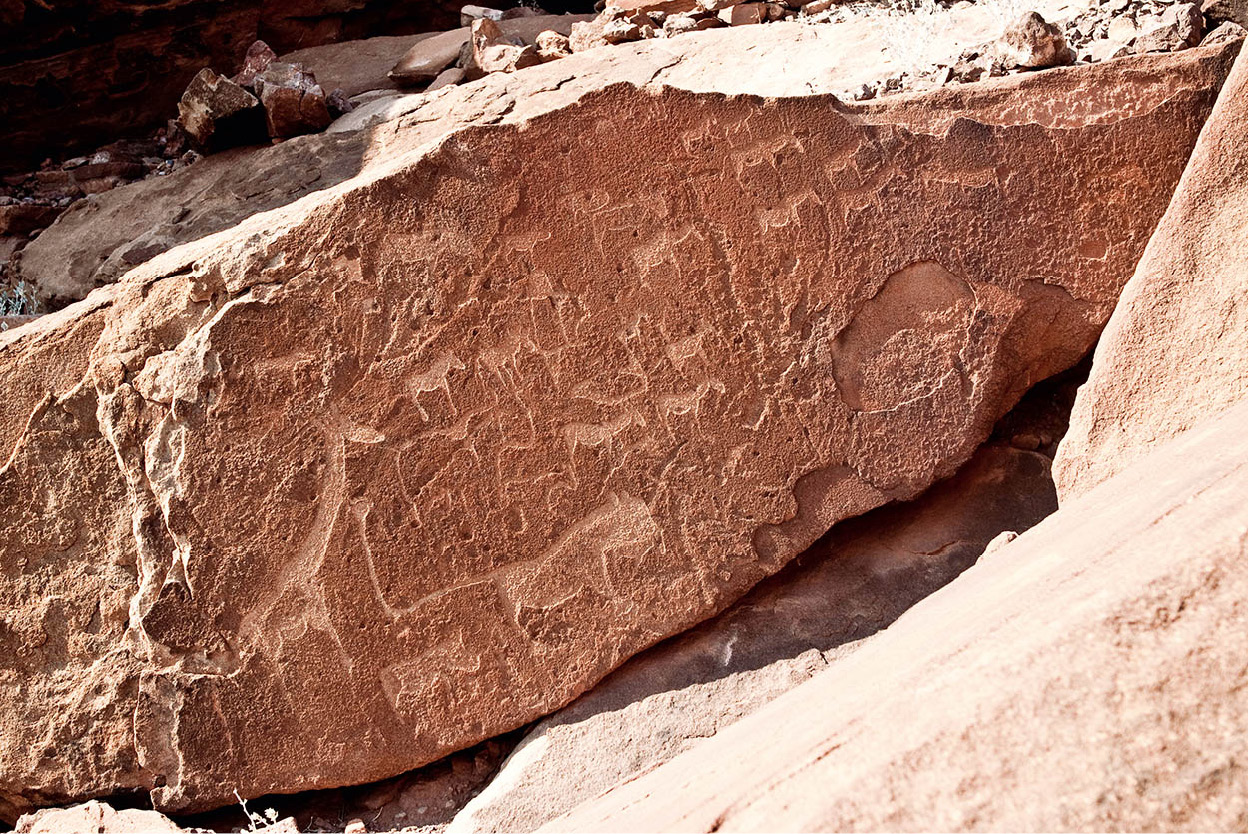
374,477
96,818
87,72
852,583
1173,353
1087,676
99,239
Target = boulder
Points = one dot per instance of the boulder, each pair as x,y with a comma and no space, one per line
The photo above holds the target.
1181,26
218,113
1032,43
293,102
1087,676
375,476
97,818
552,46
851,584
1172,354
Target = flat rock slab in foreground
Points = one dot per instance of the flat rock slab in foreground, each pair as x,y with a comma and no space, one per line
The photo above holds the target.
1089,676
1174,352
425,455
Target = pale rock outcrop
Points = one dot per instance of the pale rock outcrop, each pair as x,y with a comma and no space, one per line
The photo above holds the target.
852,583
374,477
1173,352
1087,676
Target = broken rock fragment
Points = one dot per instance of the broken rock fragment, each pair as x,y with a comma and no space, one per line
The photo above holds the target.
218,113
551,46
1032,43
294,103
259,56
492,51
1181,26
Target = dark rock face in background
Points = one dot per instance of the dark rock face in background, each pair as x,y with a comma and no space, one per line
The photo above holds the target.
78,72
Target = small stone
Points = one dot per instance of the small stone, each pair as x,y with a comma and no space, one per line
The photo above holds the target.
1224,34
339,103
999,541
355,827
22,219
818,7
678,24
492,51
864,93
621,31
1032,43
744,14
551,45
294,103
217,113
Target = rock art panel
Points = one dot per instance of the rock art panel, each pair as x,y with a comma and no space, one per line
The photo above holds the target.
427,454
1173,352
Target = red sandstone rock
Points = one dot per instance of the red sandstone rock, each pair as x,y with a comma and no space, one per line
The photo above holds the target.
293,102
1173,353
1087,676
373,477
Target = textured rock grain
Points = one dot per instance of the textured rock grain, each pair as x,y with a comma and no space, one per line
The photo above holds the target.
1173,353
425,455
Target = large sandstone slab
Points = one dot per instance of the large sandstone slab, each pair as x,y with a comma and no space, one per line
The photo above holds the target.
425,455
1089,676
855,581
1173,353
